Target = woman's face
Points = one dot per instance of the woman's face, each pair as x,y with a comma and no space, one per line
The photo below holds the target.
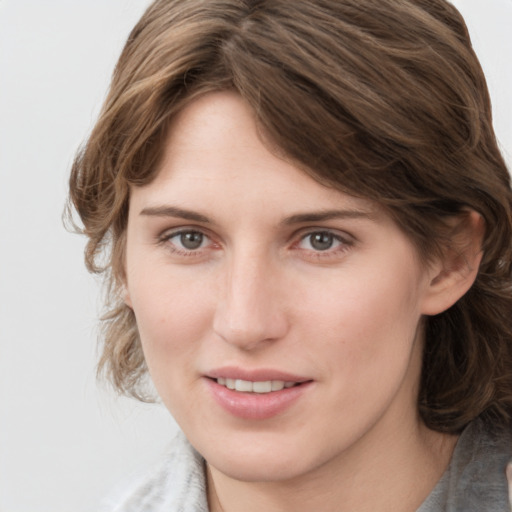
243,271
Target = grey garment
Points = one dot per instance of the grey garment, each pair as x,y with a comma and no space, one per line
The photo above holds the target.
177,485
475,480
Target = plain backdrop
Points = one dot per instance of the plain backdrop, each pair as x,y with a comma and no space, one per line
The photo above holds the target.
65,441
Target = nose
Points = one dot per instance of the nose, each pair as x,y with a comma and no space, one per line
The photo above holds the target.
250,311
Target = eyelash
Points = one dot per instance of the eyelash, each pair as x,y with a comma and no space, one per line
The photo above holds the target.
344,243
166,239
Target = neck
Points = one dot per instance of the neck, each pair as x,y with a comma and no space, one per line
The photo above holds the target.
395,476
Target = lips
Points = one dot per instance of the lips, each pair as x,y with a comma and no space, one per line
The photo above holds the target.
247,386
256,394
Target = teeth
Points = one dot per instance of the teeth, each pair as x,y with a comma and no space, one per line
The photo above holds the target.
247,386
262,387
243,385
277,385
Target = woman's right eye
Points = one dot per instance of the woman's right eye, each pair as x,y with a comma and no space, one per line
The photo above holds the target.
186,241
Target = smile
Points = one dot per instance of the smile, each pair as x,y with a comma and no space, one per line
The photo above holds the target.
247,386
257,399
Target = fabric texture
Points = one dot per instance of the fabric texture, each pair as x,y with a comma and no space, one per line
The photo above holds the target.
177,484
475,481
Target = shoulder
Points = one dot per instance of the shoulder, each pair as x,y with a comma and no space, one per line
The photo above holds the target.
481,465
476,478
176,483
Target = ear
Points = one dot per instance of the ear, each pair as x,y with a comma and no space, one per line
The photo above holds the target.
454,272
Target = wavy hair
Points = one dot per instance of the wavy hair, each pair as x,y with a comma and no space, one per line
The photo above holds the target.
382,99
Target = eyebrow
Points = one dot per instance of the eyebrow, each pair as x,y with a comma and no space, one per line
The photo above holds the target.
299,218
173,211
320,216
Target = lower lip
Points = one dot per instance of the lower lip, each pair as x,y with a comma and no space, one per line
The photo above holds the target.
256,406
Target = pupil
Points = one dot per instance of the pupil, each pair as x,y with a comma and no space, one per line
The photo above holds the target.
191,240
321,241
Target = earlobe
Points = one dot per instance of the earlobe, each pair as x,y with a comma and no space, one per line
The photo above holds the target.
455,271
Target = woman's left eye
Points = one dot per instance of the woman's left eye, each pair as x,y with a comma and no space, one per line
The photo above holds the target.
321,241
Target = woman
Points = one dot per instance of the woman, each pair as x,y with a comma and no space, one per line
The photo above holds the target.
306,225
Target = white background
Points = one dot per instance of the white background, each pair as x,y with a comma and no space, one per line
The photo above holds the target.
64,442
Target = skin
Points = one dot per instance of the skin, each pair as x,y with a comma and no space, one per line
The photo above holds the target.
257,293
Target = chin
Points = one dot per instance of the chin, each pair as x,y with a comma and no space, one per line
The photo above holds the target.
256,469
262,457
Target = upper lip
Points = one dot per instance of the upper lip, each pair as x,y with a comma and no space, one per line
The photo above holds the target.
254,375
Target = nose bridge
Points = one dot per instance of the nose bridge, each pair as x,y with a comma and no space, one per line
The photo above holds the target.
248,312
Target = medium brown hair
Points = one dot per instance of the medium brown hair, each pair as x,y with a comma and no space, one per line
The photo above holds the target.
383,99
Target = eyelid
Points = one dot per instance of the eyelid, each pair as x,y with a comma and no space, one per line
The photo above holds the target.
344,236
168,233
346,241
164,238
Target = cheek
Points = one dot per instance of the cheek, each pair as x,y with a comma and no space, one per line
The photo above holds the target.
367,326
172,320
172,316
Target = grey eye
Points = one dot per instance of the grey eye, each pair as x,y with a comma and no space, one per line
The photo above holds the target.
191,240
321,241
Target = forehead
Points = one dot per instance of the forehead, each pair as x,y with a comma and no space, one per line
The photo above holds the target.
215,150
